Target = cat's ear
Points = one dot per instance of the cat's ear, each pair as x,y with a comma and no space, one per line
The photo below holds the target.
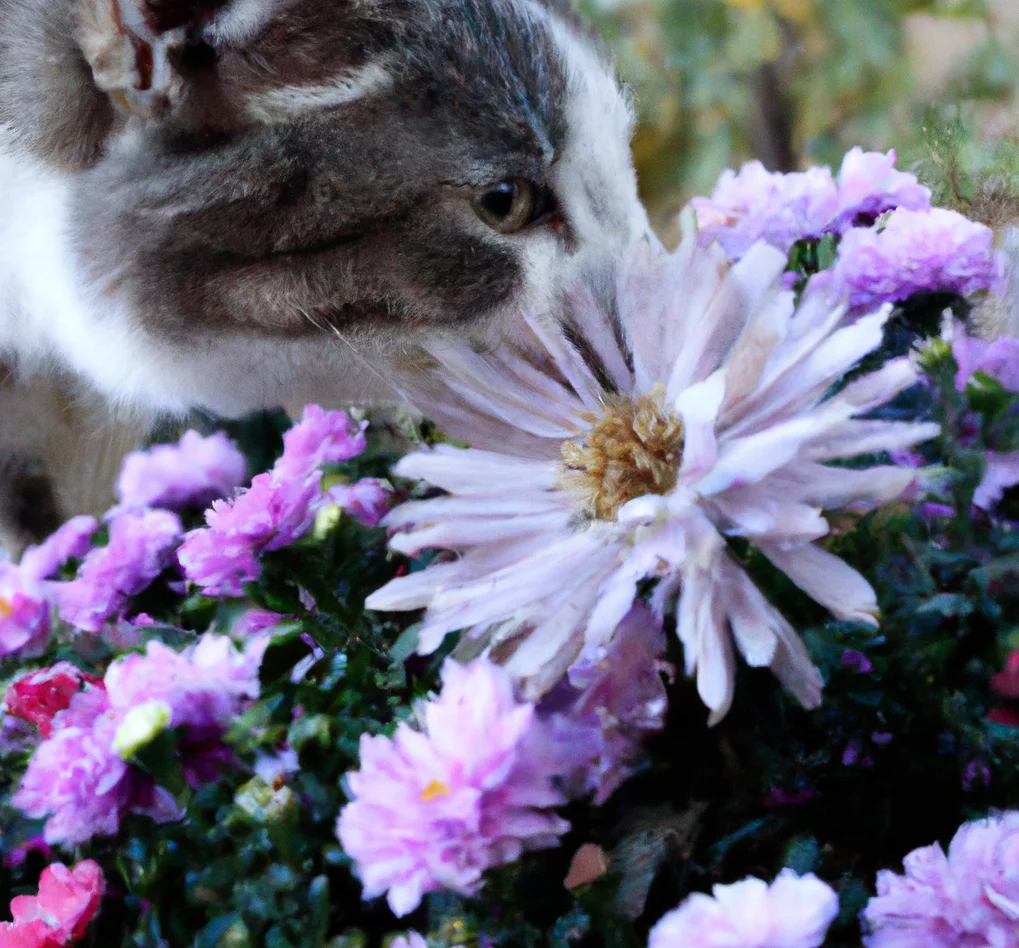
144,54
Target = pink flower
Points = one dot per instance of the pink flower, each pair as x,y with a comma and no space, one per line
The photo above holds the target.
869,185
915,251
1005,684
68,900
24,613
999,359
141,546
756,204
434,809
793,912
204,685
1001,475
255,621
616,699
77,780
40,695
71,541
967,899
191,473
366,500
319,438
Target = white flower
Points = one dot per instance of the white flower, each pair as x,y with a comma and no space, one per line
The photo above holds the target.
624,447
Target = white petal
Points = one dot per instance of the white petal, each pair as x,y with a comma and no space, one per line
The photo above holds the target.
761,513
463,471
568,361
441,508
827,579
852,438
461,533
830,487
698,408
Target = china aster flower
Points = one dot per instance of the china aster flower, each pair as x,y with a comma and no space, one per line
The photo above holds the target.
869,185
277,509
915,251
998,358
24,613
38,696
67,901
433,809
191,473
968,898
756,204
793,912
366,500
71,541
78,782
140,547
585,478
203,686
608,704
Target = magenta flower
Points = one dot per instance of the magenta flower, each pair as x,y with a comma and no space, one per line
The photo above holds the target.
256,620
912,252
793,912
277,509
77,780
72,541
367,500
141,546
968,898
204,685
869,185
615,699
191,473
433,809
24,613
320,438
999,359
756,204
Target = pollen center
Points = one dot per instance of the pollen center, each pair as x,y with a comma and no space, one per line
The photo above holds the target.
434,791
6,608
634,447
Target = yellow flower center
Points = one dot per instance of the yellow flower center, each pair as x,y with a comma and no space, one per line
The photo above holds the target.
633,448
434,791
6,608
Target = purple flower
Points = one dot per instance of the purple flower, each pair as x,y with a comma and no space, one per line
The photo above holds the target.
71,541
204,685
869,185
256,620
856,660
76,779
793,912
272,514
759,205
1002,474
366,500
967,899
434,809
24,613
193,472
141,546
915,251
321,437
616,698
999,359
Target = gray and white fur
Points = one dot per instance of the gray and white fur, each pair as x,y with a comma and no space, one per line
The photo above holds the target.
235,204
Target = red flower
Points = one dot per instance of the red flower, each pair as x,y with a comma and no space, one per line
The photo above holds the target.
38,696
68,900
1006,683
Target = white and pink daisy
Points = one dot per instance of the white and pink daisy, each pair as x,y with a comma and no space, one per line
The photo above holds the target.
630,443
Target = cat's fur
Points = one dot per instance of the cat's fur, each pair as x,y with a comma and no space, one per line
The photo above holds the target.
231,204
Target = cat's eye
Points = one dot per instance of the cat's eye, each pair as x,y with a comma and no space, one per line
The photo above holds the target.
511,205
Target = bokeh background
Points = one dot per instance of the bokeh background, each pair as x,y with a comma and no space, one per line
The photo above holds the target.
799,82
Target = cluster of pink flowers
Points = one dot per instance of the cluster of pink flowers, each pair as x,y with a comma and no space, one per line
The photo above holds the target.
67,901
916,248
966,898
76,776
755,204
278,508
793,912
434,808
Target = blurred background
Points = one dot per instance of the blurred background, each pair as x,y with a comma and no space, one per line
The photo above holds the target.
799,82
